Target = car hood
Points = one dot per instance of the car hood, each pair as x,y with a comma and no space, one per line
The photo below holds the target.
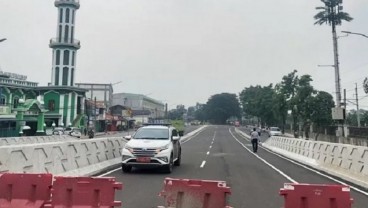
147,143
275,132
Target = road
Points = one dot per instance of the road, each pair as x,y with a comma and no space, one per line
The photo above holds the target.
254,183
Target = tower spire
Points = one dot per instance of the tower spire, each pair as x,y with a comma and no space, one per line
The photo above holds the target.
64,45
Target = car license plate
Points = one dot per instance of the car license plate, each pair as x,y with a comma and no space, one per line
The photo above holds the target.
144,159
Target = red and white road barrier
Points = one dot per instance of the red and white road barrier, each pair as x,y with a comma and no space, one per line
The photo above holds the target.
316,196
195,193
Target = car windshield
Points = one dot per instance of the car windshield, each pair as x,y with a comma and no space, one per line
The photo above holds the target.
152,134
275,129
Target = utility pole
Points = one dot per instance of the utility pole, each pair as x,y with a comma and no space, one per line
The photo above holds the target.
357,103
95,113
345,99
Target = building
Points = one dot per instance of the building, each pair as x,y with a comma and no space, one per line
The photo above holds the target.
25,105
102,92
143,108
62,97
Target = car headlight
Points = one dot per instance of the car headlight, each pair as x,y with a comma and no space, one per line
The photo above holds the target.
162,148
129,148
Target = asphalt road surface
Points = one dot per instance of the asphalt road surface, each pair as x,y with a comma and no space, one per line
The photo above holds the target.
253,182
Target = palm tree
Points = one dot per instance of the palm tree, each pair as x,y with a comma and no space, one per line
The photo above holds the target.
333,15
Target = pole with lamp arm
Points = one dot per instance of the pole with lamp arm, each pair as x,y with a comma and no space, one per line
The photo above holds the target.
354,33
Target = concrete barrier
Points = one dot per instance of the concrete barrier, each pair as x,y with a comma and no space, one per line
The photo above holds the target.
348,162
65,156
34,139
76,158
343,160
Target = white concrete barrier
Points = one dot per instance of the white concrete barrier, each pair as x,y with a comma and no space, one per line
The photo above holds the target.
34,139
62,155
77,158
343,160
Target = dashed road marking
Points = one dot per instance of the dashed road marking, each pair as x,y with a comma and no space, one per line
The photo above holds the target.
208,152
203,163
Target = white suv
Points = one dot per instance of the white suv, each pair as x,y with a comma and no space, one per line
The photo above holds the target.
152,146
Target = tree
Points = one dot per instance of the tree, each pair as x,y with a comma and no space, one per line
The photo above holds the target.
177,114
258,101
222,106
288,87
333,15
280,106
191,113
321,113
304,101
200,112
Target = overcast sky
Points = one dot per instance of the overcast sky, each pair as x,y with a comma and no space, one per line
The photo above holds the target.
183,51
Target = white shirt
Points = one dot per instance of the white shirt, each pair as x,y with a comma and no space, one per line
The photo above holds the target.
254,135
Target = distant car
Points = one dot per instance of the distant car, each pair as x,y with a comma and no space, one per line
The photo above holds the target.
69,129
275,131
58,131
76,133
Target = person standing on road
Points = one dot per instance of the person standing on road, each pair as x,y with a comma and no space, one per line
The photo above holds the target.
255,139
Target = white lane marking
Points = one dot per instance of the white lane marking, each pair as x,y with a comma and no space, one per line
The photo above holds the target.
264,161
210,146
107,173
315,171
208,152
203,163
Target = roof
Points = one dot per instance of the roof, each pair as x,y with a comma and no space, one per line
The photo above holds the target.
156,127
99,104
28,104
77,89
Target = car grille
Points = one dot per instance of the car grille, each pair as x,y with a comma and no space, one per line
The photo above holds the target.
142,152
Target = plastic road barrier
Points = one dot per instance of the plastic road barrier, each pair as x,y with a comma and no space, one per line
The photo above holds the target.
182,193
84,192
24,190
316,196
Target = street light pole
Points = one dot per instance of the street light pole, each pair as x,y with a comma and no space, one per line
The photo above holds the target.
354,33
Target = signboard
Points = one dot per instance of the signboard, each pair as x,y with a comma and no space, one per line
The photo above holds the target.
365,85
338,113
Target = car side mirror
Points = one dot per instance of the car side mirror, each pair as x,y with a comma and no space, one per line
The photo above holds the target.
128,137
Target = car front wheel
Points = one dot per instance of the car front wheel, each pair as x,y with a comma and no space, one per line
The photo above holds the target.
169,167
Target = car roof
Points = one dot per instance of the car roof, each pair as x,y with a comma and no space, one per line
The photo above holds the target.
156,127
